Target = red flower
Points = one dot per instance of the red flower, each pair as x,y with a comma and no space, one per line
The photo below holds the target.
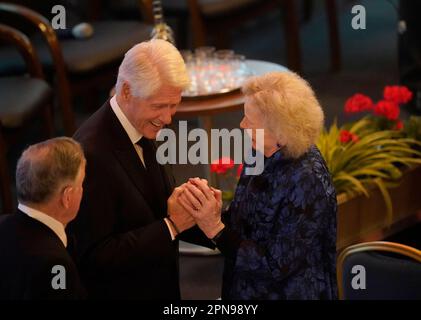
398,125
222,165
239,170
388,109
357,103
397,94
346,136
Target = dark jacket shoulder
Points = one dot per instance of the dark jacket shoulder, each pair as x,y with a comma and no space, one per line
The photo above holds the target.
32,255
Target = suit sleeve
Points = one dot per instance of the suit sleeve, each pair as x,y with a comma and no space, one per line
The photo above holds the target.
196,236
101,251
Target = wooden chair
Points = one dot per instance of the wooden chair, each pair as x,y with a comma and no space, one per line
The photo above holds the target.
49,36
24,99
79,66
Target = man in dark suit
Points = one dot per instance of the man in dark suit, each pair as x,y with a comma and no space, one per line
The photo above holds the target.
34,262
130,219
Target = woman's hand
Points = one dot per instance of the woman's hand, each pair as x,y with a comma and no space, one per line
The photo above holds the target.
204,204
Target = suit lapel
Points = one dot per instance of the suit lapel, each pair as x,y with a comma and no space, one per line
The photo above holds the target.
129,159
167,174
126,154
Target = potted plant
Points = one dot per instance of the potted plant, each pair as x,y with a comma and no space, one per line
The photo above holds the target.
373,162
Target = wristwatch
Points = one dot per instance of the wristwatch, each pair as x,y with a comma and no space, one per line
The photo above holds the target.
217,236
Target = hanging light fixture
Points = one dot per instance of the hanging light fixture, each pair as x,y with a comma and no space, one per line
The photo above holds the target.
160,30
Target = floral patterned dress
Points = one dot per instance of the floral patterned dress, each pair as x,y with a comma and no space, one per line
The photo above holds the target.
280,235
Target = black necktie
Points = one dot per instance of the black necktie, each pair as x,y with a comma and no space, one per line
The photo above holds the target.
148,154
156,190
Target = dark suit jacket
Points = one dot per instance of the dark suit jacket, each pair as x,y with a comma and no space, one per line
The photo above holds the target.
124,245
28,252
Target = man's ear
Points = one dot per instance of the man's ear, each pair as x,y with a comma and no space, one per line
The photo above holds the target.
126,91
66,197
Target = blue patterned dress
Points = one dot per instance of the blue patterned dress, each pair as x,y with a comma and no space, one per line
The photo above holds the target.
280,235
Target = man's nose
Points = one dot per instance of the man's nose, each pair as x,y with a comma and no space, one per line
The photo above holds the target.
166,116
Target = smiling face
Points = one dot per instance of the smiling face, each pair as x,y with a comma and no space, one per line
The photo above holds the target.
254,119
150,115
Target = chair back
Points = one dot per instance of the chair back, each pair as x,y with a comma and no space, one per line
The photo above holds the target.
379,270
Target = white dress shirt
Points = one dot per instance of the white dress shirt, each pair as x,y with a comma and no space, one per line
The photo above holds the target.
134,136
45,219
131,131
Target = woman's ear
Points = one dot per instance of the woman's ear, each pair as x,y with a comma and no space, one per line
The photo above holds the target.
281,142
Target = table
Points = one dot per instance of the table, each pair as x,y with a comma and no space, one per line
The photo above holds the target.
204,109
207,107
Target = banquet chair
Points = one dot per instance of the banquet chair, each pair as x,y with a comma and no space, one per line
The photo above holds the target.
379,270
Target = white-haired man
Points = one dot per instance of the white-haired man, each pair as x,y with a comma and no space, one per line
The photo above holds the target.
34,261
129,221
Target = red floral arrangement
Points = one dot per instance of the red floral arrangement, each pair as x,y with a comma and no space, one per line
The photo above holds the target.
227,180
385,111
345,136
222,165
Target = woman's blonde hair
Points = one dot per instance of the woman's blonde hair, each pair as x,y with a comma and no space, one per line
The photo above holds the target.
290,108
149,65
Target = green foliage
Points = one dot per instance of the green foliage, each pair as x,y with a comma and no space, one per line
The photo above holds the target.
412,128
377,159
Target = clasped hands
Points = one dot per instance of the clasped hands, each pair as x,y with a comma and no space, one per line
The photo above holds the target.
194,202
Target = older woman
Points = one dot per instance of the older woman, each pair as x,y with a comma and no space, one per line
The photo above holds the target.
279,234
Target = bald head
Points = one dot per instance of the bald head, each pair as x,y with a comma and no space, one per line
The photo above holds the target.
44,168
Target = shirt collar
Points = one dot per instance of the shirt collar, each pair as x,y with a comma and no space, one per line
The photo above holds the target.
45,219
131,131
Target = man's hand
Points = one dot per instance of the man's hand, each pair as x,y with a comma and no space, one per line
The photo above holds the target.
204,204
178,214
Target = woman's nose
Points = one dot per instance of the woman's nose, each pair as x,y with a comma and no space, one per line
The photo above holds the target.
243,124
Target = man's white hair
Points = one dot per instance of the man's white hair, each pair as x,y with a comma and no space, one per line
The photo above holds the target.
149,65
